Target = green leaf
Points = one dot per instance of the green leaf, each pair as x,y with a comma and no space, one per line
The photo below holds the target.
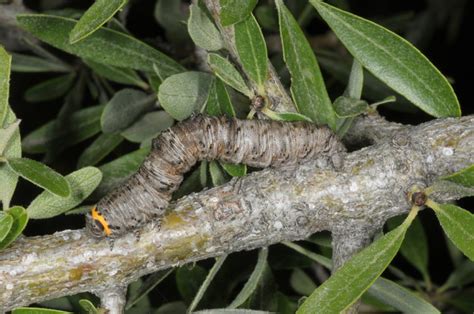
356,81
346,285
40,175
234,170
50,89
393,60
218,103
267,17
464,177
6,134
202,31
103,46
307,84
229,311
8,178
252,282
415,245
252,50
81,125
37,310
96,16
148,126
217,176
168,14
400,298
117,171
172,308
286,116
323,260
116,74
20,219
205,284
99,149
6,222
189,280
82,182
5,63
182,94
31,64
454,190
458,224
346,107
88,306
301,282
125,107
233,11
149,284
228,73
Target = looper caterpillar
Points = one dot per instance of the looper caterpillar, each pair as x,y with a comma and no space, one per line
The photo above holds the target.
257,143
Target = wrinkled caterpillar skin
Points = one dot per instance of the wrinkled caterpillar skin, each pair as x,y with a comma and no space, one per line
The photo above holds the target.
257,143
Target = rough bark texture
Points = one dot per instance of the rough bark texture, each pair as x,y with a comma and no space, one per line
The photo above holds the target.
261,209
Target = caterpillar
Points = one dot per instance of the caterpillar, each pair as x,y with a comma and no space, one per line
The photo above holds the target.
257,143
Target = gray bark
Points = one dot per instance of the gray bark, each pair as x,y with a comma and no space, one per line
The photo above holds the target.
358,193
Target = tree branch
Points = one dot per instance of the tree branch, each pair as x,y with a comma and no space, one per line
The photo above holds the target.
264,208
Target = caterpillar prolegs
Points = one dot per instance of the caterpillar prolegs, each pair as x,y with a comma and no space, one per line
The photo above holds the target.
257,143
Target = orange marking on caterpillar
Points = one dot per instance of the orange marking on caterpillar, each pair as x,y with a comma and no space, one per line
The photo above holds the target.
99,218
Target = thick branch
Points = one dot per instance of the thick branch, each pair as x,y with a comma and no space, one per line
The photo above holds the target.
261,209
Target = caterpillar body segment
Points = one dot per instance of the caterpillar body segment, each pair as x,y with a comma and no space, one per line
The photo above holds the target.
257,143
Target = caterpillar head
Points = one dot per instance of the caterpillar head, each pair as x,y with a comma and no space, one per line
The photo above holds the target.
97,225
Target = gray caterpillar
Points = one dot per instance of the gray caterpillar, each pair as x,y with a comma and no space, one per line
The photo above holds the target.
257,143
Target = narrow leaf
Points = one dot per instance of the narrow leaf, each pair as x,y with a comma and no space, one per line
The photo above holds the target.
301,282
202,31
82,182
285,116
458,224
210,276
116,74
233,11
346,285
6,222
228,73
31,64
148,126
99,149
346,107
82,125
169,14
307,84
50,89
97,15
88,307
323,260
217,176
252,50
400,298
8,178
356,81
124,108
252,282
393,60
41,175
415,246
182,94
20,219
149,284
104,45
7,134
464,177
5,63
